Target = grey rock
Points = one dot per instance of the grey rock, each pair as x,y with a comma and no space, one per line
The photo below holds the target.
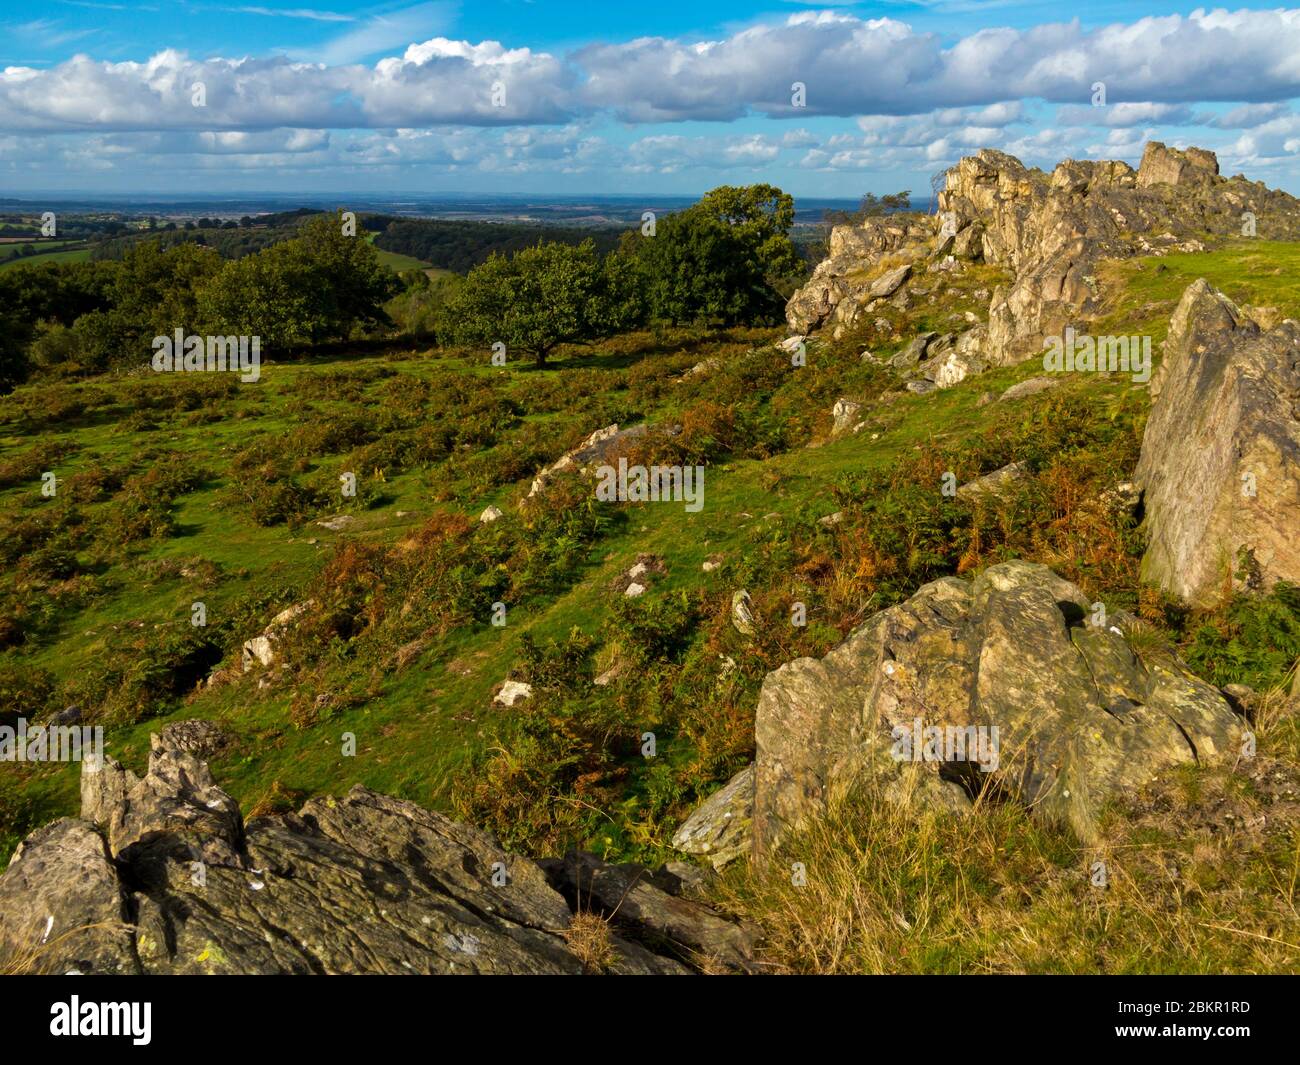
175,811
742,613
261,650
1030,387
914,352
1162,165
1081,714
62,907
360,884
512,692
593,450
964,360
70,715
105,785
845,415
889,282
1225,508
994,484
200,738
719,828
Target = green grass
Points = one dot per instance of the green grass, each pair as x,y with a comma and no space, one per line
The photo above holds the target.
1146,291
397,262
68,251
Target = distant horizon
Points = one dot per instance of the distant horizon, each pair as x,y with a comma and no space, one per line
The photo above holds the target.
30,196
587,210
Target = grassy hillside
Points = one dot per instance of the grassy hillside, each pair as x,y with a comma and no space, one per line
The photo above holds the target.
176,490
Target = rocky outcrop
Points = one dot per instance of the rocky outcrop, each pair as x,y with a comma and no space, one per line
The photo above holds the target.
1049,231
162,875
856,266
1007,686
1220,461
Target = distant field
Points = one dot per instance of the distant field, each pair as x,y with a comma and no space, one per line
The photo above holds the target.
62,251
400,262
397,262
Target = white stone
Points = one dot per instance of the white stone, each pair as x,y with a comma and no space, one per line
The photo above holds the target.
513,691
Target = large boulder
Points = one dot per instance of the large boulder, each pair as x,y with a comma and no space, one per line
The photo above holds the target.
175,811
812,304
889,282
360,884
1080,712
1220,461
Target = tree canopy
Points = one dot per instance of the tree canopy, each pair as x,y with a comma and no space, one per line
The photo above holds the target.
543,296
723,259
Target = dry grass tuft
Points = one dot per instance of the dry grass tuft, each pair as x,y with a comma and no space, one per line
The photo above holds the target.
590,941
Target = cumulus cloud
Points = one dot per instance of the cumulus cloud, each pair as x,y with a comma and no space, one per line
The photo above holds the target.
848,66
882,66
437,82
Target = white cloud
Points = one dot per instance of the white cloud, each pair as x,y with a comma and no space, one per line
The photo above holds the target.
849,65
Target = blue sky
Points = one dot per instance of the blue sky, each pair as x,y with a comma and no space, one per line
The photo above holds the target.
550,96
